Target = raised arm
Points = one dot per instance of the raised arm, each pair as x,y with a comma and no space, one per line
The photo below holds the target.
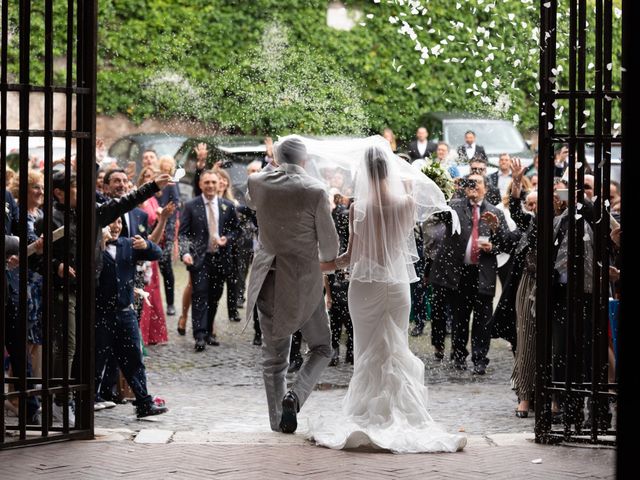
109,211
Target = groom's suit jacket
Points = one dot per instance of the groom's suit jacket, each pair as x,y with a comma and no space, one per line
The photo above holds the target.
296,232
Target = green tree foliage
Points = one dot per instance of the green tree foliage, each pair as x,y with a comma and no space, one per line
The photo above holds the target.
273,66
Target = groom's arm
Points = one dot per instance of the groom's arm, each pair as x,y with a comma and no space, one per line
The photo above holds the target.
328,242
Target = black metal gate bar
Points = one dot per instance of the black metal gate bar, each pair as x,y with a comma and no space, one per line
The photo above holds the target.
4,44
626,368
47,291
25,46
544,270
86,117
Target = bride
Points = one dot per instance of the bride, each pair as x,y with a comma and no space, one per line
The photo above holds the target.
386,403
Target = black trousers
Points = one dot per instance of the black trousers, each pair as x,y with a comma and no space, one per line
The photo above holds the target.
118,336
467,299
166,269
339,316
419,295
296,345
208,284
441,307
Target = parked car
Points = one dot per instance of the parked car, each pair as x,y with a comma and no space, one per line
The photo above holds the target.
616,159
495,135
234,153
128,150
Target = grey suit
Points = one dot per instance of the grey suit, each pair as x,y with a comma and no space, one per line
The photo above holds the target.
296,233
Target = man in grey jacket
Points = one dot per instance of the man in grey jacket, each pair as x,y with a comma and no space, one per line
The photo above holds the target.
296,234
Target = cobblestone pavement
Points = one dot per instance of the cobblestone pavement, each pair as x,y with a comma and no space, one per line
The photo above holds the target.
218,426
203,390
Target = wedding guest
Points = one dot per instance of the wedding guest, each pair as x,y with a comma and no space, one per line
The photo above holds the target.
13,342
421,147
117,333
225,191
208,228
170,194
390,137
464,273
561,160
470,150
337,287
35,199
478,165
442,157
153,326
100,181
502,178
150,158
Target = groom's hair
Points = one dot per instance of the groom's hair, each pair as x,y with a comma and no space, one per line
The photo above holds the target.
376,163
290,151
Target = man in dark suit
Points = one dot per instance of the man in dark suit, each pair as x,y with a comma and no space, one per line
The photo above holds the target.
470,150
208,228
134,222
421,147
117,332
464,275
501,179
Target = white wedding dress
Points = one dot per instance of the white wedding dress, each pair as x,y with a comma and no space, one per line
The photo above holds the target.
386,404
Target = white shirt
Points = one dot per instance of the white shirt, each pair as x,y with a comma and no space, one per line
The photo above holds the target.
216,211
471,150
503,182
467,253
422,147
127,220
111,250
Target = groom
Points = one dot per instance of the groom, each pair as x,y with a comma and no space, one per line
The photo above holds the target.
296,234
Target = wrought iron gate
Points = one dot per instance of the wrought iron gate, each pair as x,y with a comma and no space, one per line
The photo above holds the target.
572,311
48,54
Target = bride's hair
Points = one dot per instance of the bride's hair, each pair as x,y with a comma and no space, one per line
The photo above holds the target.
376,163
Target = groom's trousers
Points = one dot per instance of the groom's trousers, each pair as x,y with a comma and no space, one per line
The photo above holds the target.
275,352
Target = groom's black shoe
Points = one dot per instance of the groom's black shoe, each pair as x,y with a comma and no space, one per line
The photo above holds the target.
290,409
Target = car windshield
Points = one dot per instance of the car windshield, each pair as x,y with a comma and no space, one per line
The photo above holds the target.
495,136
168,146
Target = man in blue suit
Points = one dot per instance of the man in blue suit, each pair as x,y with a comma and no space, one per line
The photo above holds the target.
208,228
134,222
117,333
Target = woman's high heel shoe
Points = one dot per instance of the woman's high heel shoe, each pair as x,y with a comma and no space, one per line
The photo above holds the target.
522,413
182,325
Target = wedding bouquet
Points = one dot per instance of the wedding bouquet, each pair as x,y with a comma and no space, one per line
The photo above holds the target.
440,176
